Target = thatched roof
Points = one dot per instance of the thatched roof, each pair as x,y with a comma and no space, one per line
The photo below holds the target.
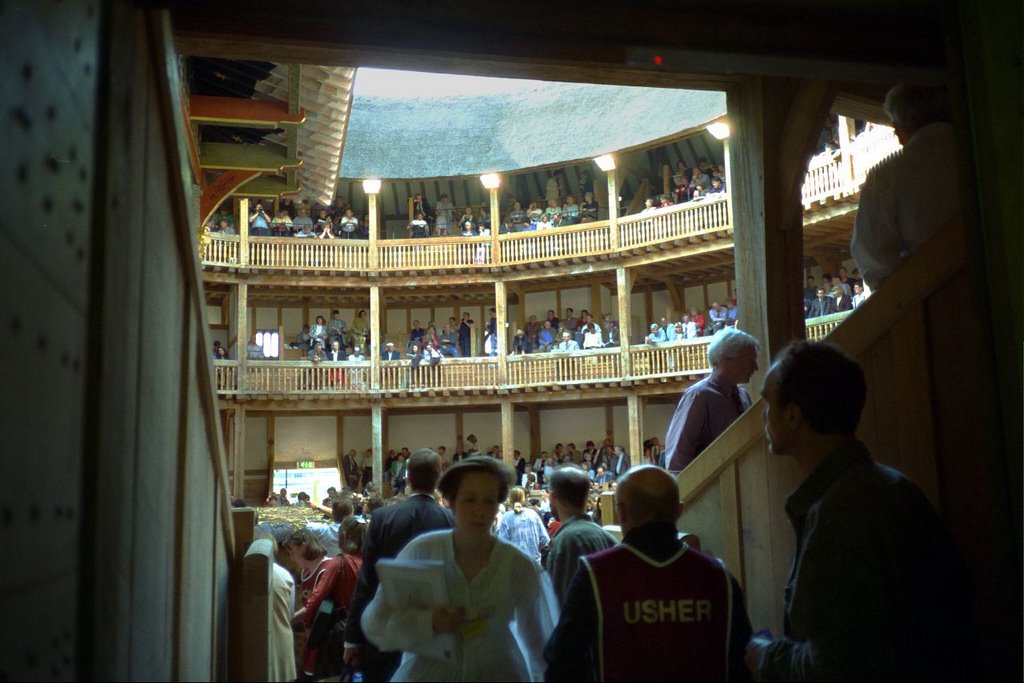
546,123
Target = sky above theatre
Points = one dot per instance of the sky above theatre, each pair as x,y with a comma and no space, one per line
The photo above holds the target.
418,125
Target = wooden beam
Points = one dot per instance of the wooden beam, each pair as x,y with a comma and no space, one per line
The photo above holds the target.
732,521
228,156
771,118
239,112
536,446
375,336
508,443
377,435
339,443
242,332
271,453
624,287
501,313
635,408
219,189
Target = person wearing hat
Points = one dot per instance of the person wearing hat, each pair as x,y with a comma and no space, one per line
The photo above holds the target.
521,343
317,353
390,353
357,374
568,343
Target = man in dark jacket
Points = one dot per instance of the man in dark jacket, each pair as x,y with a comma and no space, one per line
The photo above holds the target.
391,528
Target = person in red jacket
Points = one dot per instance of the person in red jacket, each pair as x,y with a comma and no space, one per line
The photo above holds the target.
651,608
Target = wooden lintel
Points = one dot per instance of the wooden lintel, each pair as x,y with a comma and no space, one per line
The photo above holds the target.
219,189
236,111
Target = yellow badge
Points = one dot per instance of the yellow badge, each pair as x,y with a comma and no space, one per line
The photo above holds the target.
473,629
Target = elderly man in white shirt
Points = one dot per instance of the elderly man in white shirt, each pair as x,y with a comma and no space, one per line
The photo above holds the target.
909,196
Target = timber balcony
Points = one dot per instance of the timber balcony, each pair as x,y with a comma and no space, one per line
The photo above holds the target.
672,232
533,373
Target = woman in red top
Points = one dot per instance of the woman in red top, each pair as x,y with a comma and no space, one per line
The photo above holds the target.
698,319
332,579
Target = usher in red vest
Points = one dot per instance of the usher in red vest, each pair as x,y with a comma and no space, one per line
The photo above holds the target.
660,621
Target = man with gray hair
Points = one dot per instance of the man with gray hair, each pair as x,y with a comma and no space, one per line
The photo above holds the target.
910,195
711,405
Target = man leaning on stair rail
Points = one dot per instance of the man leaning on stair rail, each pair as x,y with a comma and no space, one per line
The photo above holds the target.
877,589
712,404
908,197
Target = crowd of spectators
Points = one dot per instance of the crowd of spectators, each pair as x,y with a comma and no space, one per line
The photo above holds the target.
335,340
291,219
835,294
559,207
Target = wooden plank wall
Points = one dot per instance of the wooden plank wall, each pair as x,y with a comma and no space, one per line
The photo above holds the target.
157,541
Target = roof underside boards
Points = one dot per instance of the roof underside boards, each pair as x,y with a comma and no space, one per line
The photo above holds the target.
547,123
324,94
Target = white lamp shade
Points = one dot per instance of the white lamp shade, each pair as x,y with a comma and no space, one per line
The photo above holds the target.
371,185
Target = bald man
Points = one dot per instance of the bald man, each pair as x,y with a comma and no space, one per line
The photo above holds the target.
651,608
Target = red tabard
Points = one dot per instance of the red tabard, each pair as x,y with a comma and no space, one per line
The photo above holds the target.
661,621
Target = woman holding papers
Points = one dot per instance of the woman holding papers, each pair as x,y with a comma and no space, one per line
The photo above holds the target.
493,608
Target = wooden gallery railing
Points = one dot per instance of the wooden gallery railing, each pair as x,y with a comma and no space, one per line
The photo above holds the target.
600,366
734,494
842,175
591,240
827,178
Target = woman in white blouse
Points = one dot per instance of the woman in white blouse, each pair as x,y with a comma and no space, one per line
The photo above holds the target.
491,585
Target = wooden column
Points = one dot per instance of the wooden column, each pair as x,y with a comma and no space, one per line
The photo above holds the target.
635,408
377,429
508,444
271,455
595,301
243,232
501,313
609,420
613,210
775,124
242,333
238,452
495,225
624,287
535,443
845,149
339,445
375,345
374,231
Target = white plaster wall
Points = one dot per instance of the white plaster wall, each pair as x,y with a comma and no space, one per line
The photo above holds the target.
420,431
562,425
266,318
717,291
694,297
305,438
538,303
213,315
292,320
577,299
656,419
661,304
256,443
486,427
620,423
357,433
395,323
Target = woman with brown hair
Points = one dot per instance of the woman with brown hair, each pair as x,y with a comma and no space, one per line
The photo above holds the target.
490,583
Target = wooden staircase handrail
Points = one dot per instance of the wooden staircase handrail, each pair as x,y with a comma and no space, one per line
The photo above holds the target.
921,274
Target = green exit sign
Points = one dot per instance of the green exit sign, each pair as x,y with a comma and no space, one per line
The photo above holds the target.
304,464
